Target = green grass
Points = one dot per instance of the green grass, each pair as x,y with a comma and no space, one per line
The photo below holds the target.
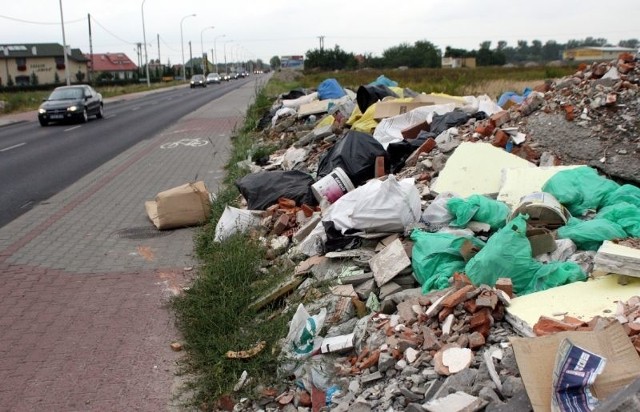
214,314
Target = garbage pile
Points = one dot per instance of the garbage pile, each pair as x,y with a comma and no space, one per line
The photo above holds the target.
429,216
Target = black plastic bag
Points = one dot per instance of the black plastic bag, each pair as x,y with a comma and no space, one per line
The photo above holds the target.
442,122
399,152
368,95
294,94
263,189
356,154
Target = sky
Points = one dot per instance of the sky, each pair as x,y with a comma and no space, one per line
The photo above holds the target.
250,29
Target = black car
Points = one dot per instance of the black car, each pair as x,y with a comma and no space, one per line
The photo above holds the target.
71,103
198,80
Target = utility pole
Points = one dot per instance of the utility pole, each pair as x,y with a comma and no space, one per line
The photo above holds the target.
190,59
321,42
90,50
64,48
158,35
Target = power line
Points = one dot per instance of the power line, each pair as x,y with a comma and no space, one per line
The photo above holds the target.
40,22
107,30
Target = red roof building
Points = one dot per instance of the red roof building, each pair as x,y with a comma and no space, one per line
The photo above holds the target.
117,65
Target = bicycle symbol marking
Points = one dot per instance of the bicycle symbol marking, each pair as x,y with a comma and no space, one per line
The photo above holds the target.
185,142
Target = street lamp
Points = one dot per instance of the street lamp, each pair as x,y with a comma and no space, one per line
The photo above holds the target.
226,68
202,47
184,73
215,51
64,48
144,38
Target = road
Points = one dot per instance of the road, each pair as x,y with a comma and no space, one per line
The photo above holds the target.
37,162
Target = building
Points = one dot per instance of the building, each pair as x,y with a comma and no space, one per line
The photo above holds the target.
590,54
112,66
41,63
456,62
292,62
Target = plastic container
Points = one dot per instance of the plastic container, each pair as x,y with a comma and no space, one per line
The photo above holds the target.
333,186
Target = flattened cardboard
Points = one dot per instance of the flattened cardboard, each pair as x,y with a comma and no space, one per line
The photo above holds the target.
541,240
182,206
394,108
536,360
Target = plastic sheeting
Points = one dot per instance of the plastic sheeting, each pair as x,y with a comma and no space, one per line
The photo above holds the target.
480,209
356,154
370,94
384,80
263,189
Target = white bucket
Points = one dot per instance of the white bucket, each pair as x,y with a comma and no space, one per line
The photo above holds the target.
332,186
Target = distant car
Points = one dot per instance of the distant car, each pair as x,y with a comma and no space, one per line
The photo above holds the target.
198,80
213,78
226,77
71,103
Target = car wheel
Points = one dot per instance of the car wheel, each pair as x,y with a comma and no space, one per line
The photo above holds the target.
85,116
100,113
43,122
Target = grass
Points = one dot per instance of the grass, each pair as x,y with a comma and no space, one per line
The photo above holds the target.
214,314
22,101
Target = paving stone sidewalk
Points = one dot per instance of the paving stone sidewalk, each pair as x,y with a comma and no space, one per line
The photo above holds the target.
85,277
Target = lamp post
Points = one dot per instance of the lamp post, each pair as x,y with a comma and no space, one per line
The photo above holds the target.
64,48
215,51
202,46
184,73
226,68
144,38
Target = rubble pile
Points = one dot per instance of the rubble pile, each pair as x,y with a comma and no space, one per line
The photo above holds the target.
415,221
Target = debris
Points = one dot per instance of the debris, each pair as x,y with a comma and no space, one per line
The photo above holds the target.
185,205
246,354
176,346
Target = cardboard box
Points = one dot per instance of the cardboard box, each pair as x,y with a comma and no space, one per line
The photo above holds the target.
185,205
536,361
541,240
394,108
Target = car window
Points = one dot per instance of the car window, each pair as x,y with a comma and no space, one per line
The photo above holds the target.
62,94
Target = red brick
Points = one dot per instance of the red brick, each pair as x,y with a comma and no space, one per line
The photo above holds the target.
476,340
304,399
460,280
569,112
370,360
480,318
547,326
485,129
281,225
500,139
457,297
412,132
286,203
426,147
505,285
379,169
470,306
307,210
318,399
500,118
444,313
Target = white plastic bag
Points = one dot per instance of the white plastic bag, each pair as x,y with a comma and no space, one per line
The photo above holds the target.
303,338
436,215
377,207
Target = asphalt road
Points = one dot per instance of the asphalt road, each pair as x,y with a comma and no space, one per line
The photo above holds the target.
37,162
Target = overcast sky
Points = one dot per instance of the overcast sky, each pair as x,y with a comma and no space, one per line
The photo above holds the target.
250,29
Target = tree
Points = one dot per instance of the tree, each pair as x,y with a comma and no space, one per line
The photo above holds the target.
80,76
330,59
275,62
56,78
630,43
34,79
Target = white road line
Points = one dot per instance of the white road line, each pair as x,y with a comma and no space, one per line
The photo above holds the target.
72,128
135,108
6,149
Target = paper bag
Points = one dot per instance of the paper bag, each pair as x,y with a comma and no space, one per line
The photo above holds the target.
185,205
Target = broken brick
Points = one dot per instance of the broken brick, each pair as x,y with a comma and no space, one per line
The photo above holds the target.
505,285
460,280
569,112
485,129
481,320
547,326
500,139
286,203
476,340
307,210
457,297
500,118
487,299
370,361
426,147
444,313
281,225
379,168
470,306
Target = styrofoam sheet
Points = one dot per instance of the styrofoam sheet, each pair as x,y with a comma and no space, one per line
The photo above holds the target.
522,181
476,168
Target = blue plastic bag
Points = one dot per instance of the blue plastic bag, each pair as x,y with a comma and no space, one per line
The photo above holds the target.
330,89
383,80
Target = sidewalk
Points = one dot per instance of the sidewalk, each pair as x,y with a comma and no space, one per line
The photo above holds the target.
85,277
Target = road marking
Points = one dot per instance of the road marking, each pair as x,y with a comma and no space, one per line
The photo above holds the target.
135,108
185,142
6,149
72,128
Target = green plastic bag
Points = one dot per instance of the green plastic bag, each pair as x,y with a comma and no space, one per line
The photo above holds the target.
580,189
625,193
589,234
436,257
625,214
508,255
478,208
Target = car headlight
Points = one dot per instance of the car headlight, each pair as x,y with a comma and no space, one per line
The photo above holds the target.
72,108
41,111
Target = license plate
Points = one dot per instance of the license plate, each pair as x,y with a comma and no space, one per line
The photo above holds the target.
57,116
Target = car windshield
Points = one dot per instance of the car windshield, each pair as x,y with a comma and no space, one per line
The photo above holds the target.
197,77
67,94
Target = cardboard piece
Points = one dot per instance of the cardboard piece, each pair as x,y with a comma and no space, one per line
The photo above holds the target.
536,360
543,209
185,205
314,107
337,343
541,240
617,258
582,300
393,108
476,168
